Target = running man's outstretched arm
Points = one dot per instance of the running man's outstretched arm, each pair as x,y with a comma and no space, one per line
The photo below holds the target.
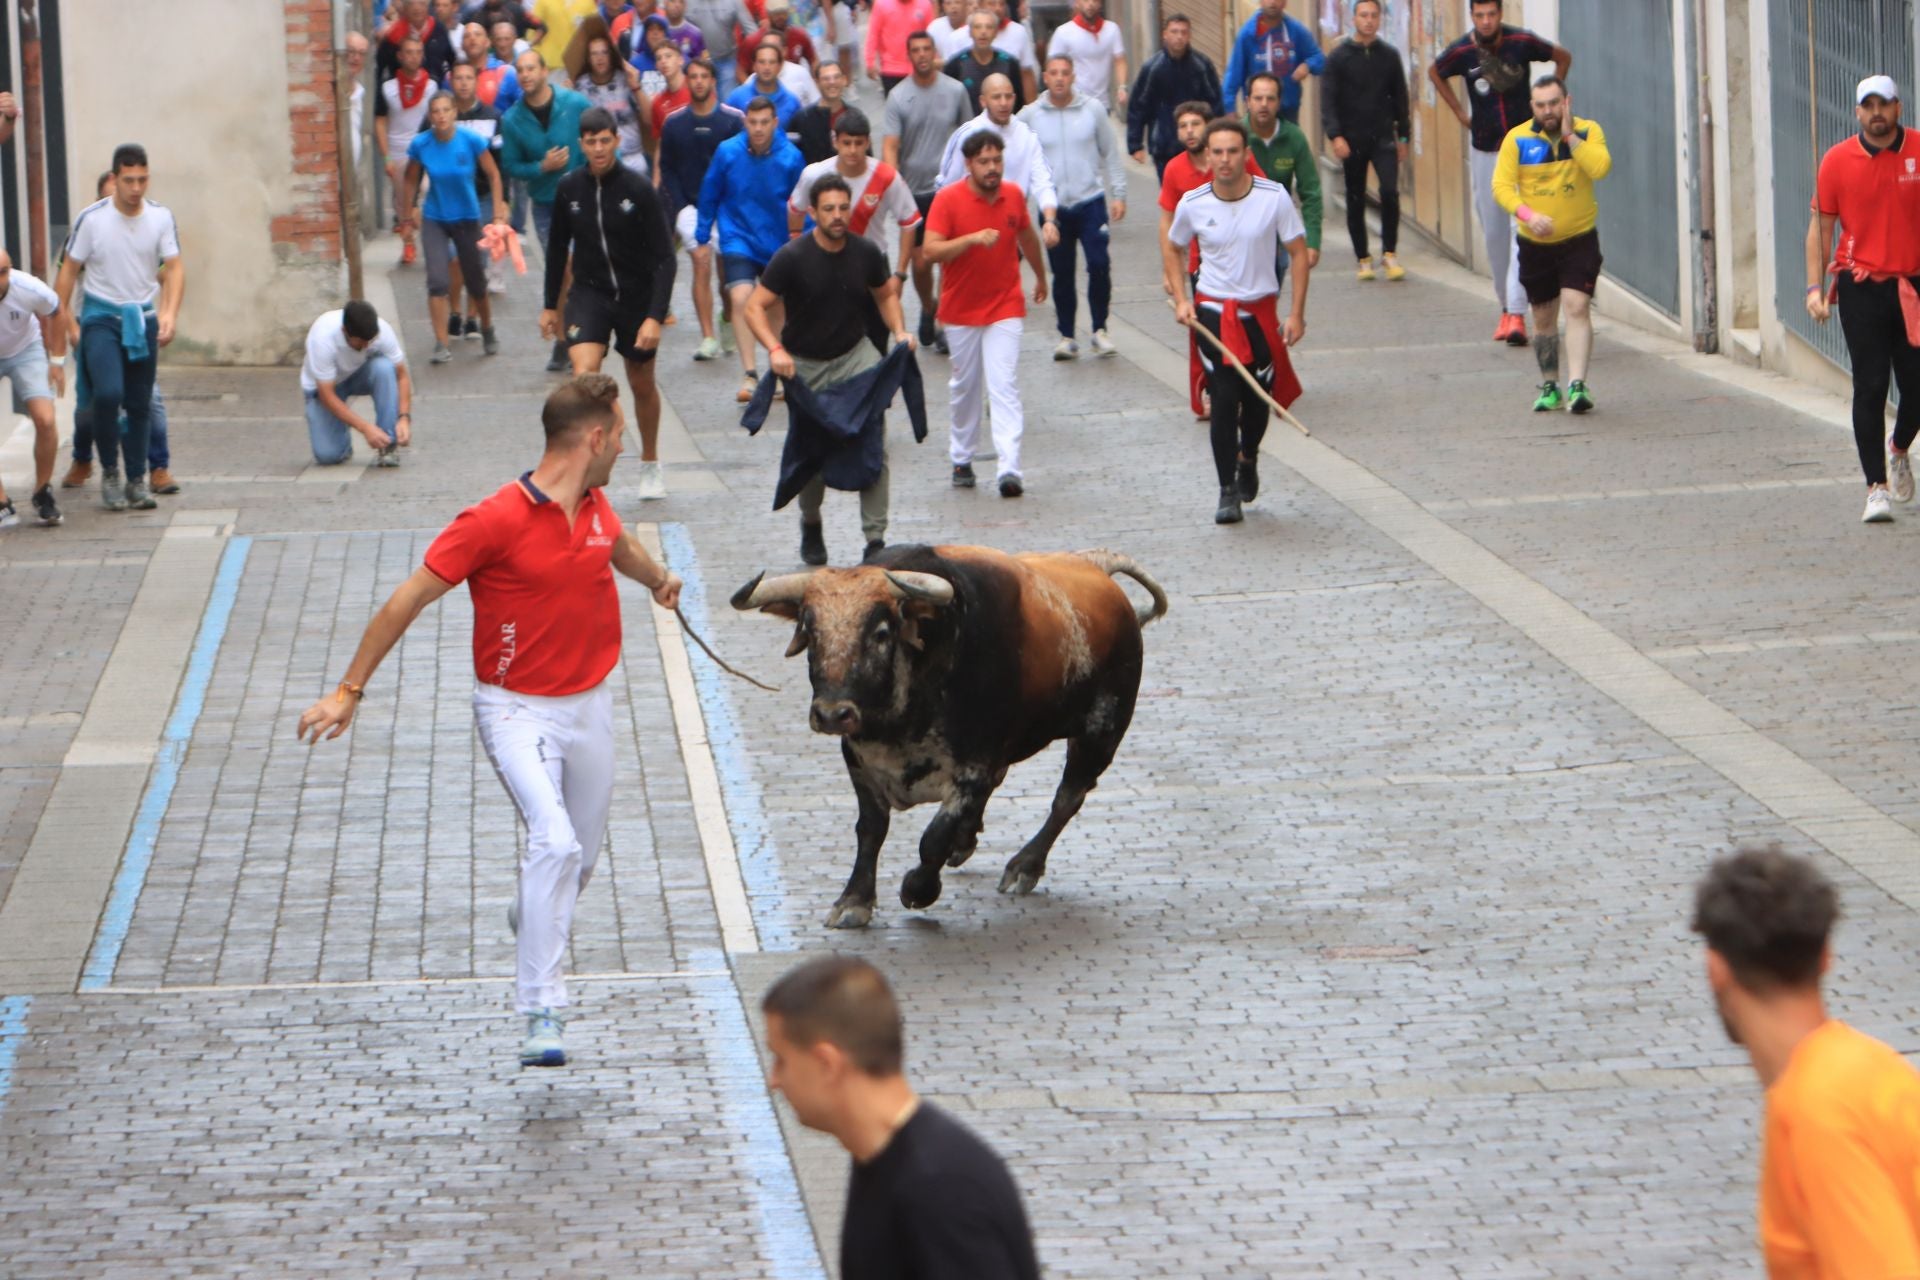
632,560
332,714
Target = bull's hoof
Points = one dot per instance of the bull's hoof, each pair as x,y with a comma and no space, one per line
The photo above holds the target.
920,888
958,857
850,915
1018,882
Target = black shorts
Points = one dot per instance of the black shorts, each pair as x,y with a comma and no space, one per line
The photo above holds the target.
925,203
1546,269
596,318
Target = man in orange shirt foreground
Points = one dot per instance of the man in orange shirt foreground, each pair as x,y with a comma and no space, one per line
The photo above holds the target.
1838,1192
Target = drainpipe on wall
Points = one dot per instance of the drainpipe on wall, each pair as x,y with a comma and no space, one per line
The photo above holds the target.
33,124
1706,283
343,145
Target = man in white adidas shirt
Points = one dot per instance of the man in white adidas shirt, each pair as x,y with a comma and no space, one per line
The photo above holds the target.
1025,162
25,301
881,200
1242,223
1098,53
127,314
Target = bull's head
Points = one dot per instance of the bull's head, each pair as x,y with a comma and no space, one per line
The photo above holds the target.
860,629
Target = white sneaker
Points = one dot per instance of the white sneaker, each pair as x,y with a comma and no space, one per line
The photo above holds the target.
1103,345
1066,349
726,336
1879,506
653,483
545,1045
709,349
1899,472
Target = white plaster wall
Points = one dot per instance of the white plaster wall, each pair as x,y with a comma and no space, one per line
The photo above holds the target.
206,94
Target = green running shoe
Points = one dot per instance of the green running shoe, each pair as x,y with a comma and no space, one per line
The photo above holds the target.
1549,398
1578,401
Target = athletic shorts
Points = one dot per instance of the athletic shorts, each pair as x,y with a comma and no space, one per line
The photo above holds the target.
684,223
925,204
26,373
1547,269
594,317
735,269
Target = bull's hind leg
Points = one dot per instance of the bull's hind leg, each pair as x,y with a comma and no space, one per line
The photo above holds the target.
955,827
1087,758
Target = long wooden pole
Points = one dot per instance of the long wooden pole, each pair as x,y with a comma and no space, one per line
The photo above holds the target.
1247,375
33,117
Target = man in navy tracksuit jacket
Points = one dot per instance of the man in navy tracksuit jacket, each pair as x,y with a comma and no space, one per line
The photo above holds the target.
1178,73
688,139
1274,43
745,193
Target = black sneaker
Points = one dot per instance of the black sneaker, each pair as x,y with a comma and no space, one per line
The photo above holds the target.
558,361
45,507
940,343
873,551
1247,479
472,333
453,326
963,476
813,544
927,334
1010,487
1229,510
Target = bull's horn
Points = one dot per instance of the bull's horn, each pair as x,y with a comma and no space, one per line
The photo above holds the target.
921,586
762,591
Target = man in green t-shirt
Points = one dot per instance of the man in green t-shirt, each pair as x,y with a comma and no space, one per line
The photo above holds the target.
1286,156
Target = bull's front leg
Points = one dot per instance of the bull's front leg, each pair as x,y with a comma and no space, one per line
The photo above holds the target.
956,826
854,910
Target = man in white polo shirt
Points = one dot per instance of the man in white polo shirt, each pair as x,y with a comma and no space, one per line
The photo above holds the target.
1098,53
353,352
127,315
25,301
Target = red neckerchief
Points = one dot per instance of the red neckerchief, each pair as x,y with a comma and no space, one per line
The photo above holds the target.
398,31
1091,28
412,89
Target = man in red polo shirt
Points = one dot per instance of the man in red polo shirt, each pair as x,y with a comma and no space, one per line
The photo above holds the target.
978,228
1183,173
1870,185
538,558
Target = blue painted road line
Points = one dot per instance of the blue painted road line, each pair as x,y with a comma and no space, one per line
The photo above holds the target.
747,1110
132,878
753,839
13,1029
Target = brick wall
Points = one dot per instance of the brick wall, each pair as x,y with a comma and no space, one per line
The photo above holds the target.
310,231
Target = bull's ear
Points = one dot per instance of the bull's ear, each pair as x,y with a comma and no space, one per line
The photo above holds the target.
912,614
910,633
798,643
788,609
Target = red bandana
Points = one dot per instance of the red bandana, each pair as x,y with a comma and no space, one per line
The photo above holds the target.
412,87
1091,28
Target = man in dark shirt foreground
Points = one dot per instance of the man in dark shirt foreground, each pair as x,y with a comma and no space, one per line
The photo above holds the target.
928,1199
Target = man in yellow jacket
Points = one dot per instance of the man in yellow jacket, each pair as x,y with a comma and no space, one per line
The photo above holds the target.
1544,178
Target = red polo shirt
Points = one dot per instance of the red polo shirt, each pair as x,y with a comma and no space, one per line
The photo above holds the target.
1876,196
546,617
982,285
1180,178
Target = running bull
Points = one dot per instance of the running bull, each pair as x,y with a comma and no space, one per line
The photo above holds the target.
940,667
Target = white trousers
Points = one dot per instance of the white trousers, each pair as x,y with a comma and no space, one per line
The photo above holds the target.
555,758
1496,224
988,354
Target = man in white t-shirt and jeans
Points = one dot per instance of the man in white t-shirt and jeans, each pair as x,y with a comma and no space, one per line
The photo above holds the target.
1098,53
353,352
128,310
27,309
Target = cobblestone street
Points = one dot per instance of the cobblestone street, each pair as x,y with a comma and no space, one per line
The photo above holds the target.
1368,957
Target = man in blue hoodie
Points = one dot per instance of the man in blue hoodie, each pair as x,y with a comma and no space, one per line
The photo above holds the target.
745,194
1275,43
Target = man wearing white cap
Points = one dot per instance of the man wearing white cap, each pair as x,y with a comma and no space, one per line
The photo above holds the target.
1870,185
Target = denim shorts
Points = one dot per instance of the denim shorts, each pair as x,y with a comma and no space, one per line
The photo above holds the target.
736,269
26,373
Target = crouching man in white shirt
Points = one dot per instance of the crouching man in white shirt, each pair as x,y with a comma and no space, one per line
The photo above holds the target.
353,352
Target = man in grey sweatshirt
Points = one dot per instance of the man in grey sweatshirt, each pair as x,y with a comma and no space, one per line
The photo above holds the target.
716,20
1090,179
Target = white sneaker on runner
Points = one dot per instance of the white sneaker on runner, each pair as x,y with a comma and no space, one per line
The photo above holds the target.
545,1045
1066,349
1102,344
1899,473
709,349
653,483
727,345
1879,506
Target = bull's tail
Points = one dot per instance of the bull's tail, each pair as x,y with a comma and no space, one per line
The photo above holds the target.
1112,562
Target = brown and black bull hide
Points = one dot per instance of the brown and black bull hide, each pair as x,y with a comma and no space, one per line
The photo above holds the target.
941,667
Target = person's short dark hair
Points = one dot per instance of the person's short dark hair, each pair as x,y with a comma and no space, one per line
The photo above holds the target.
1551,81
411,38
704,62
597,120
1264,75
1195,107
580,403
129,155
1172,18
1357,3
821,186
1475,4
359,320
100,183
853,122
761,102
981,139
1227,124
1768,915
845,1002
773,42
919,35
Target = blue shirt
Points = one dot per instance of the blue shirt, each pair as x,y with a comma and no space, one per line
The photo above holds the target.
784,103
451,167
1277,50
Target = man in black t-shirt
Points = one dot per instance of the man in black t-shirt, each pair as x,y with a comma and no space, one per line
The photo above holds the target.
928,1199
838,291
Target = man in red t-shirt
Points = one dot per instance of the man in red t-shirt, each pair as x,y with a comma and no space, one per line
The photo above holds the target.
538,558
670,99
978,228
795,44
1870,185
